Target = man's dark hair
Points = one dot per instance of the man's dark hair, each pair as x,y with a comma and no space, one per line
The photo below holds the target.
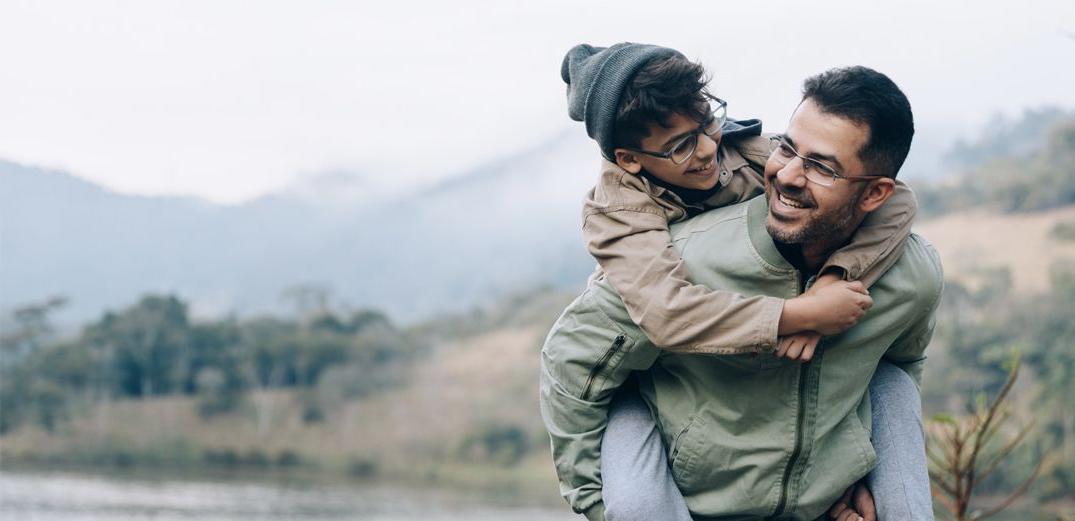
661,88
868,97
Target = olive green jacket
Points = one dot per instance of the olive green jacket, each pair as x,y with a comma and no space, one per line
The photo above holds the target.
749,437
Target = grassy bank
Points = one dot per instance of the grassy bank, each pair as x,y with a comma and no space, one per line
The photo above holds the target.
467,416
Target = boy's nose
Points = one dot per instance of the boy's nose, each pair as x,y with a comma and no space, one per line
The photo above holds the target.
707,147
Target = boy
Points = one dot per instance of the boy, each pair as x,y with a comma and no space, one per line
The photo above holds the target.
624,93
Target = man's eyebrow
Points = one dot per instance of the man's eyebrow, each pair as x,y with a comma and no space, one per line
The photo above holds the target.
815,155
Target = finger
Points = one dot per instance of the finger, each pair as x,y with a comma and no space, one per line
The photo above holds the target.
782,347
808,351
867,302
841,503
864,503
857,286
837,510
848,515
795,349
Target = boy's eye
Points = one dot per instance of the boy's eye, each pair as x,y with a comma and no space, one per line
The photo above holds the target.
712,127
684,148
785,150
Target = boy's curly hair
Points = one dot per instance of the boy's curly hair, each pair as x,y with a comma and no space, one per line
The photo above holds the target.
661,88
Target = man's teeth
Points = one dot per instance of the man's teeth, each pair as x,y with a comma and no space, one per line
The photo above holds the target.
700,169
790,203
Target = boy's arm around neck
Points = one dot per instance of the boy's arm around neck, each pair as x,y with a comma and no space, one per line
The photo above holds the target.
626,230
879,241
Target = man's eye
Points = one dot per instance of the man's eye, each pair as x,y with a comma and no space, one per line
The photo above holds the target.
786,151
822,168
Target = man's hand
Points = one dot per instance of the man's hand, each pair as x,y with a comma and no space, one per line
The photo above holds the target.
855,505
799,346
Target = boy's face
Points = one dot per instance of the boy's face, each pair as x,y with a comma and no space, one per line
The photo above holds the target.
697,173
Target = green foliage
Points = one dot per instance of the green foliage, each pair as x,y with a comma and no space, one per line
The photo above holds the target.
153,349
976,331
1006,138
502,444
1064,231
963,452
1039,178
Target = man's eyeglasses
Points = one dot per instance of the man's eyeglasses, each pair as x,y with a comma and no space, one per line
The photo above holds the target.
682,150
814,170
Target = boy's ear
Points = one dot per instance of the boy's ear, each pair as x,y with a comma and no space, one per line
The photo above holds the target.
628,160
877,192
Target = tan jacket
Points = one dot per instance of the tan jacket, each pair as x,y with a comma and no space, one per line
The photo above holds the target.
625,226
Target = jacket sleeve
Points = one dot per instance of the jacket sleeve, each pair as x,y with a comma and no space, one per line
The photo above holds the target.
585,358
635,251
879,241
908,351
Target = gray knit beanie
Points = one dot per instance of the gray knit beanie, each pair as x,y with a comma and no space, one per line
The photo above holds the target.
596,78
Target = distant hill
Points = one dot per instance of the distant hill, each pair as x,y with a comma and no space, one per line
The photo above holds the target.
511,224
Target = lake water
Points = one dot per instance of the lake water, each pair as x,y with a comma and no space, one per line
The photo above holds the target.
67,496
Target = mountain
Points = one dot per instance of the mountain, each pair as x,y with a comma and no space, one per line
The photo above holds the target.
507,225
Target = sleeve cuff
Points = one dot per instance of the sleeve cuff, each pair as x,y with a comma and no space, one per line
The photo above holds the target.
596,512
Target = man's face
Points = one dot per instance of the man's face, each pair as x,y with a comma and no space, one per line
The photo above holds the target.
802,212
699,172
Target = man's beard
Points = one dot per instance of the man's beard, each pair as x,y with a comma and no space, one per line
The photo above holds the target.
832,227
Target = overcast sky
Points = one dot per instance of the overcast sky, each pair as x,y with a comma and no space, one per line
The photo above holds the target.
229,100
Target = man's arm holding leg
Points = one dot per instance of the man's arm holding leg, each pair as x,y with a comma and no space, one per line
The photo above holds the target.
586,358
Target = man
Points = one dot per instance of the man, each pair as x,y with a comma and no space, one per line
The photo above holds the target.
759,437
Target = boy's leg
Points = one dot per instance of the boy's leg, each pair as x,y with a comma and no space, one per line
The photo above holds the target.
900,482
636,481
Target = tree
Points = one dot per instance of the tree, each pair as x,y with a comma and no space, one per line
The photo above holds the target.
964,452
149,343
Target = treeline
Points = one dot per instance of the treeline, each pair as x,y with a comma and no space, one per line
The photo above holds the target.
978,330
154,348
1027,167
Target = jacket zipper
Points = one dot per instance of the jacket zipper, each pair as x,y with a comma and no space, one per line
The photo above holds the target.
616,345
796,452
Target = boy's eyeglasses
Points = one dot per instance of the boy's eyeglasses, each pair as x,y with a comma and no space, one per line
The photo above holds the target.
682,150
814,170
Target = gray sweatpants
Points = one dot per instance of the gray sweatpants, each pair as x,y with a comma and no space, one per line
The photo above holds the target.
637,484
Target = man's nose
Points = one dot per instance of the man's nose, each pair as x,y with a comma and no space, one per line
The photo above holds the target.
792,173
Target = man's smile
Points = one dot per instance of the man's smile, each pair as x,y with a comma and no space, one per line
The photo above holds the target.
788,207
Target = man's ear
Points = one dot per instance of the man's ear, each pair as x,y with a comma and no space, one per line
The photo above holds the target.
877,192
628,160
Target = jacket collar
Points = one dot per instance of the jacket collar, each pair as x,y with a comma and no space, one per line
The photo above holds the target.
757,214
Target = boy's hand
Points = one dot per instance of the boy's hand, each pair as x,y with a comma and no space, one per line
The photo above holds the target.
836,305
798,346
831,306
855,505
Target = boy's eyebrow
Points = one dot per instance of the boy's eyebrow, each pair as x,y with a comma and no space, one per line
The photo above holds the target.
679,136
815,155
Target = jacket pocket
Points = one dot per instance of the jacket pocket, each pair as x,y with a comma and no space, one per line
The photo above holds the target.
860,437
601,364
685,451
583,349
